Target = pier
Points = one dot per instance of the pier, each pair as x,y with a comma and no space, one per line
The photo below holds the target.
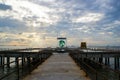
58,67
51,64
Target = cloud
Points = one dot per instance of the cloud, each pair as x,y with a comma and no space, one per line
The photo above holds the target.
6,21
40,21
11,25
32,14
21,39
5,7
89,17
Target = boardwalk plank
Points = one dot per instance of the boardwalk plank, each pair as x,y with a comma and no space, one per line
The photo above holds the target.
58,67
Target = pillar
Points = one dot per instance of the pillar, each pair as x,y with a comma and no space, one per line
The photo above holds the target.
116,62
101,60
29,64
8,62
0,60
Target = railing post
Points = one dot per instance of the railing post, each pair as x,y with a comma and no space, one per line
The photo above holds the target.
101,59
3,62
0,60
23,64
17,65
29,64
8,62
106,61
115,63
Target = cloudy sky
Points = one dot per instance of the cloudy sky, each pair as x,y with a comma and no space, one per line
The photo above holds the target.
37,23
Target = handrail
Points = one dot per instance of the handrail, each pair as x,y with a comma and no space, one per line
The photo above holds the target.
38,59
9,73
8,63
95,71
83,64
106,66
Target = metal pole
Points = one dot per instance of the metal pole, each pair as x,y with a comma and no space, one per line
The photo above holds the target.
108,61
17,65
22,64
0,60
3,62
8,62
118,62
29,64
105,61
115,62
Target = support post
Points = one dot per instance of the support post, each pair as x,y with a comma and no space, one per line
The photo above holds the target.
17,66
115,62
106,61
8,62
3,62
0,60
100,60
29,64
23,62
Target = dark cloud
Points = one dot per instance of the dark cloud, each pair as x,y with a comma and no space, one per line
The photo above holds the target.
115,31
8,24
111,10
114,13
5,7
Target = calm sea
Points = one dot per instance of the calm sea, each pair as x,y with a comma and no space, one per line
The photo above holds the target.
12,47
96,47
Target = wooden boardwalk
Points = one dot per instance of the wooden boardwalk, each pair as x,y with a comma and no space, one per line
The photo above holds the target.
58,67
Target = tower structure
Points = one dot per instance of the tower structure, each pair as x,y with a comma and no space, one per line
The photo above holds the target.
83,45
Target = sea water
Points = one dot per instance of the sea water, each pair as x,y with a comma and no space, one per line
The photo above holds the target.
96,47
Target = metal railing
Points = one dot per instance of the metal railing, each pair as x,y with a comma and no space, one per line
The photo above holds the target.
10,72
111,74
90,71
22,66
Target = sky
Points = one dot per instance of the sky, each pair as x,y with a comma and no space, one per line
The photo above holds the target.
38,23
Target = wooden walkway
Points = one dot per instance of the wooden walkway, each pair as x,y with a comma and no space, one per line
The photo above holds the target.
58,67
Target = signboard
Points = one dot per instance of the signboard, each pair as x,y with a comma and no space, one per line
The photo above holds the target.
61,42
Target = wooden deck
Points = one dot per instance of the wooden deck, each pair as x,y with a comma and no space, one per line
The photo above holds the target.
58,67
